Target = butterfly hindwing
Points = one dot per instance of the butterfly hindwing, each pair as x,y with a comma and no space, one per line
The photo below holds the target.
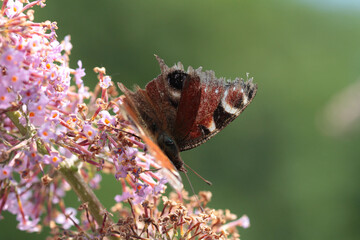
222,101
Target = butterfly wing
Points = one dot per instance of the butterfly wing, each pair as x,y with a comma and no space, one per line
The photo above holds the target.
130,110
194,105
219,103
187,107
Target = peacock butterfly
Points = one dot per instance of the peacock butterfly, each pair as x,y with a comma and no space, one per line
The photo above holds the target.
179,110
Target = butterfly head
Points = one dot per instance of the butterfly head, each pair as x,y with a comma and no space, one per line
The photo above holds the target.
171,150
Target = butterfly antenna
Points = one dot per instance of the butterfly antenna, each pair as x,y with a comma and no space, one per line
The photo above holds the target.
192,189
129,133
208,182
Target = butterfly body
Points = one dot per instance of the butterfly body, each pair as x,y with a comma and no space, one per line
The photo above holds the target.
180,109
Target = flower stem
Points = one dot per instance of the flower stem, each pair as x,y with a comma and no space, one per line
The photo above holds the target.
85,194
14,117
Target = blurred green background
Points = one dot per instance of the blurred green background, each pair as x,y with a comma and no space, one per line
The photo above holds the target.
273,163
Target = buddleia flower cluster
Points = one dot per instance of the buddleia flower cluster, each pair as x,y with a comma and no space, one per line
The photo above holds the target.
56,135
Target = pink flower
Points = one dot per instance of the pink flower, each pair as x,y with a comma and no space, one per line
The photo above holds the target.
29,94
46,133
123,197
89,131
36,43
28,225
79,73
15,77
95,181
158,188
106,118
13,8
67,44
19,164
54,116
244,222
11,57
106,82
6,98
54,159
36,111
64,220
5,172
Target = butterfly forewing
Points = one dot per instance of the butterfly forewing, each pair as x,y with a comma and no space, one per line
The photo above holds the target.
188,108
129,110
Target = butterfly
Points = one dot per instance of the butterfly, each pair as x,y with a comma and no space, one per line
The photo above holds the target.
179,110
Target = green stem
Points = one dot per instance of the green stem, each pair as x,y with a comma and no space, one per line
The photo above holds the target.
85,194
14,117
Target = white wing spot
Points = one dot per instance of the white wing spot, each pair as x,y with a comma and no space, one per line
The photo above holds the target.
227,107
217,91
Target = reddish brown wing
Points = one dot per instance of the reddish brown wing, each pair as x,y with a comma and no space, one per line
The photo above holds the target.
194,105
220,103
188,107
